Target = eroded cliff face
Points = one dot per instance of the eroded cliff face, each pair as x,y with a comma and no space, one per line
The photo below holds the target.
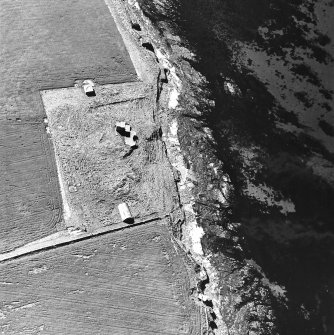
254,113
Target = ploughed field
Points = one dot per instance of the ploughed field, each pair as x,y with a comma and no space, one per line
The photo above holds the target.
30,205
118,283
44,45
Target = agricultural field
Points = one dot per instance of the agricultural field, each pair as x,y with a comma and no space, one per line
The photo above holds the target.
50,44
30,205
119,283
45,45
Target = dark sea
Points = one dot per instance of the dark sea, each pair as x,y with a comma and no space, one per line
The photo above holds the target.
270,69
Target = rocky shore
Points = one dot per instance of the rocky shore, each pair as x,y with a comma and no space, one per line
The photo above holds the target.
251,110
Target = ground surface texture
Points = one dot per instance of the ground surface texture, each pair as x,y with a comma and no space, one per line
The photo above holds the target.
99,170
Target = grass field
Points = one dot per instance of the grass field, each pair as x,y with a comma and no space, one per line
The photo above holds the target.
30,206
45,44
131,282
49,44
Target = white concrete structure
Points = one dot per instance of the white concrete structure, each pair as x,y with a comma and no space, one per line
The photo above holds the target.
124,211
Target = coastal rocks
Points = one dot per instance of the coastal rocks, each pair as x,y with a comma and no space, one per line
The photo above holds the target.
231,292
230,87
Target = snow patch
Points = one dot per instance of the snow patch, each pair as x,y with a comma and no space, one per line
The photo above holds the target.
220,197
268,196
193,234
277,290
188,208
5,283
134,3
173,129
173,99
174,79
231,87
38,270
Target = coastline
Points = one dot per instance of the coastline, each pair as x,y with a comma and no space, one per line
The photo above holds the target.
263,212
187,234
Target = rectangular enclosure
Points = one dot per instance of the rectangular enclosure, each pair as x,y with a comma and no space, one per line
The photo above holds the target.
99,169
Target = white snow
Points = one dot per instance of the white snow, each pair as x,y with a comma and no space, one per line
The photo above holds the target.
195,233
173,128
173,99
